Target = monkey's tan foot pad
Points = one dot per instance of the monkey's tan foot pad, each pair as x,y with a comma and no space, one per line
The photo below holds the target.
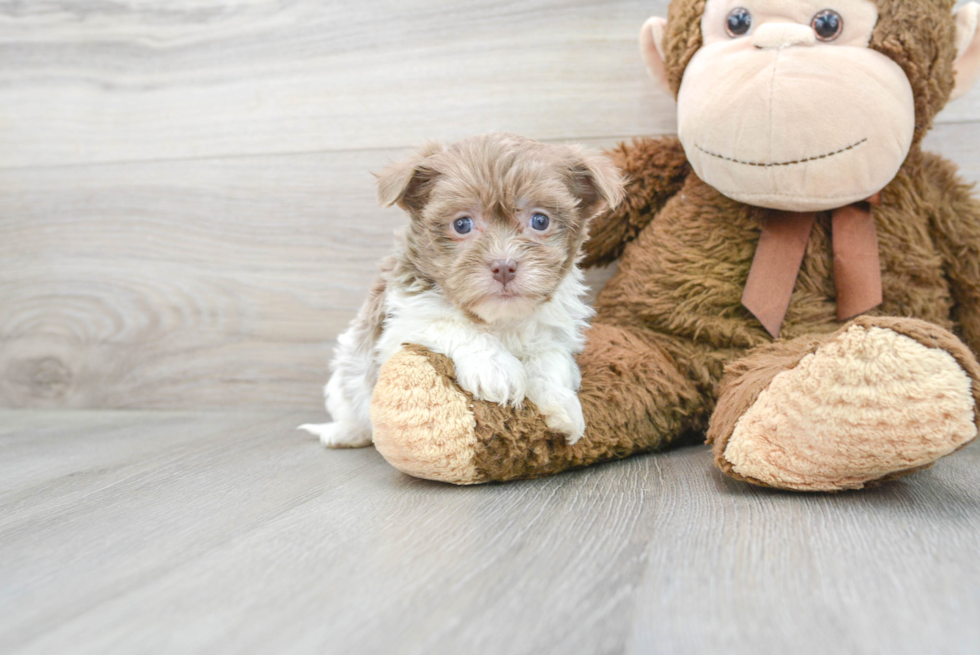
423,424
868,404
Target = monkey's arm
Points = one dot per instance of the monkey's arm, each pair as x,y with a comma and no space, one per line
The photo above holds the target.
957,226
655,169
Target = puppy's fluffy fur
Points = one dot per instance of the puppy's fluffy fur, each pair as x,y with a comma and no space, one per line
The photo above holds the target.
477,206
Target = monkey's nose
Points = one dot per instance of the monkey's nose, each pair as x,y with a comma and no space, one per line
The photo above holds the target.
504,270
771,36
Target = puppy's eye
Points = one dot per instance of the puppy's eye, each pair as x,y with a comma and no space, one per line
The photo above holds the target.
828,25
739,22
463,225
540,222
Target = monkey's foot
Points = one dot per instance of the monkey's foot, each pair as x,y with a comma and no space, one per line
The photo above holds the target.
425,425
880,398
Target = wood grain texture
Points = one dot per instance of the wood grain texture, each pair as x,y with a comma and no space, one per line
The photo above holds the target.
153,532
123,80
185,283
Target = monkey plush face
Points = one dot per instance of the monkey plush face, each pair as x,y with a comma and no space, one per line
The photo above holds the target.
772,113
786,106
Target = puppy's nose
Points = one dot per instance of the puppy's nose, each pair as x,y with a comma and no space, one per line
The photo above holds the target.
504,270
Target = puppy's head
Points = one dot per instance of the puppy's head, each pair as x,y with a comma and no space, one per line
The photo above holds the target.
498,220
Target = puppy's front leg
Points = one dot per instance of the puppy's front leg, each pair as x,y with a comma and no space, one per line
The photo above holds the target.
489,372
553,379
483,366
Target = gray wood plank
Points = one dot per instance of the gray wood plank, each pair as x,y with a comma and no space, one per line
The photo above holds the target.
127,80
234,533
194,284
888,570
124,80
227,471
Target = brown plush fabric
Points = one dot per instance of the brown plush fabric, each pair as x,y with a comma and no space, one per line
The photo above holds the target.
682,39
654,171
670,320
919,36
955,227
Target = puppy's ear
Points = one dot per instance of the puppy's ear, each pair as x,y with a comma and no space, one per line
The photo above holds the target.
407,183
596,181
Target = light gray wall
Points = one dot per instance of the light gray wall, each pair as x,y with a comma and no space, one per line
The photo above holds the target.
187,215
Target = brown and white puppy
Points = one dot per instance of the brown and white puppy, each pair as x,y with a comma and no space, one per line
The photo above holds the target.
485,273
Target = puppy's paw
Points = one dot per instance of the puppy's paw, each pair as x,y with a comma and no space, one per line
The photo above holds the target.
339,435
497,379
562,412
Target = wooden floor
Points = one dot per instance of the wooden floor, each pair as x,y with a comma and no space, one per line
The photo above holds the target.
187,220
194,532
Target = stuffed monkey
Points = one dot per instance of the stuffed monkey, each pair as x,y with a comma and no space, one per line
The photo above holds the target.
796,278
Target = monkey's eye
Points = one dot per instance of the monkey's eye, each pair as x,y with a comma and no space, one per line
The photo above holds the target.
463,225
828,25
540,222
739,22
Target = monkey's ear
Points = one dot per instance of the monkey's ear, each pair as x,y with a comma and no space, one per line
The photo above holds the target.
597,182
652,48
407,182
967,49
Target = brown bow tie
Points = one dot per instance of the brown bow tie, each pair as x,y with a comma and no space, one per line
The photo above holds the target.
857,269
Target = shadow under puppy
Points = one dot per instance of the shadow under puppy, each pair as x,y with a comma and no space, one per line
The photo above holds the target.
486,273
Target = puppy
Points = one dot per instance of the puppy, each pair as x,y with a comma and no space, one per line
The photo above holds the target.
485,273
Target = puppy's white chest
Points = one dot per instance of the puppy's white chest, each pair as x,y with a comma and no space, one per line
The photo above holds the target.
526,338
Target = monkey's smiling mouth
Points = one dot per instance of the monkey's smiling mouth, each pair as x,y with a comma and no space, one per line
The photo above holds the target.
782,163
